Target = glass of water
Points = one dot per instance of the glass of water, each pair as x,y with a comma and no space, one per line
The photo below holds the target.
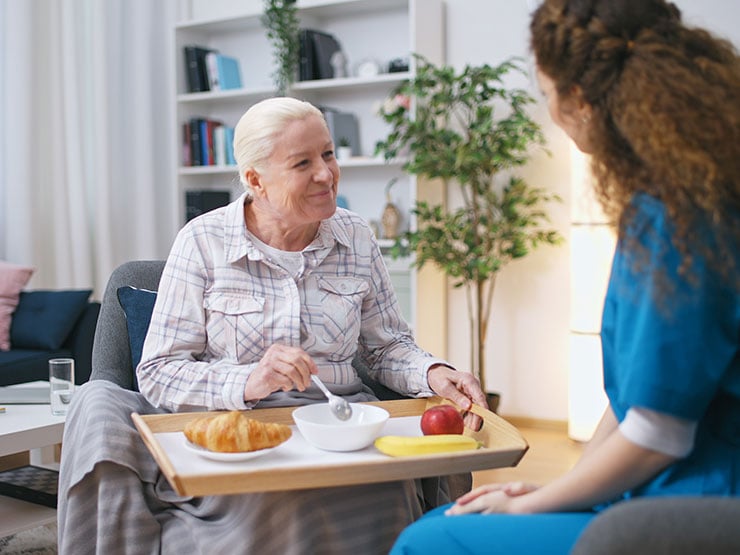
61,384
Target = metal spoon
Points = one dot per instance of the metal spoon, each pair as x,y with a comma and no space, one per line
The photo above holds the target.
339,407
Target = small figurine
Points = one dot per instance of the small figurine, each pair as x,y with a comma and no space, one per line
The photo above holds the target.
338,63
391,215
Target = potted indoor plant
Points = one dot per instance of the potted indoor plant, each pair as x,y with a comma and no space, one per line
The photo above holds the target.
344,149
280,20
467,128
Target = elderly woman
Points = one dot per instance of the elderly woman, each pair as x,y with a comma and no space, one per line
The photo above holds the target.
256,297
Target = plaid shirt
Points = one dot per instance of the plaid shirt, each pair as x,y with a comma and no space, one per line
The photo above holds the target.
221,303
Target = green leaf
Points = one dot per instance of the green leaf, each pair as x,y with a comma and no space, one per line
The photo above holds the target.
467,129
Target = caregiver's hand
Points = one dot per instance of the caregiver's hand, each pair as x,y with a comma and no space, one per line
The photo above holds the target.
491,498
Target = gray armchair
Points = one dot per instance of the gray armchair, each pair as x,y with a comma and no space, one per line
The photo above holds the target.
665,526
111,354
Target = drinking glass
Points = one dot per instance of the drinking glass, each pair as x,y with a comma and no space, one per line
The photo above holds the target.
61,384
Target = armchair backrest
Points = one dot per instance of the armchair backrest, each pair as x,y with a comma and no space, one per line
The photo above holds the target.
111,355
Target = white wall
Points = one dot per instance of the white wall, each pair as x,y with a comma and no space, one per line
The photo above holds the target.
528,344
527,349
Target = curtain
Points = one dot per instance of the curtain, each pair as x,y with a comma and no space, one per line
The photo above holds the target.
87,149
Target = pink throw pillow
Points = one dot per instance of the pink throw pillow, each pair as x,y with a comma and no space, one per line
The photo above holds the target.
13,279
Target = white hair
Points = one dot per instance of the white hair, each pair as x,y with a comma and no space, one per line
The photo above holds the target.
257,129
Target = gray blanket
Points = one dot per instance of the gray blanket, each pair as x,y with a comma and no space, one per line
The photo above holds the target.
113,499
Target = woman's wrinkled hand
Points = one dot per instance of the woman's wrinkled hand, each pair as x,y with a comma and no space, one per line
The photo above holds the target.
491,498
282,368
462,388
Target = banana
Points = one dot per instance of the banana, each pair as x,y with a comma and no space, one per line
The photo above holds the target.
408,446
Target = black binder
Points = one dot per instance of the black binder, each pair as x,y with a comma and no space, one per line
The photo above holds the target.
316,49
200,202
195,66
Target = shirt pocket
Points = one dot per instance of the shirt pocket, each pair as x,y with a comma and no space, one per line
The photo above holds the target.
341,307
235,325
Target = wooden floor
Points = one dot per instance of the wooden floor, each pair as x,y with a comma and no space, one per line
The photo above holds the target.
551,453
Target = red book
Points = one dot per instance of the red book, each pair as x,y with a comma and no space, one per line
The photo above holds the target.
211,152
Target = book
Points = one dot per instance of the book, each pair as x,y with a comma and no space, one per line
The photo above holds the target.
196,156
316,49
192,77
229,143
31,483
305,56
195,65
200,202
219,145
229,72
223,72
343,126
186,148
208,147
205,148
212,71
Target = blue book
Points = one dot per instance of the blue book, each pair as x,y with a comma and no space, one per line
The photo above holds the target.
229,144
204,159
223,72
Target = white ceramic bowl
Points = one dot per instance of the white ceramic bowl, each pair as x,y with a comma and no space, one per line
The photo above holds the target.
323,430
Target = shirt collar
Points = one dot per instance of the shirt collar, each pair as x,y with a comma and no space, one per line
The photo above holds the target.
331,231
237,243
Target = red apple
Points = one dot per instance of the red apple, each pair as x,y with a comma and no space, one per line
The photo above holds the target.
442,419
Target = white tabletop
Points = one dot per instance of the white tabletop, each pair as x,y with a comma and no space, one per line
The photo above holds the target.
26,427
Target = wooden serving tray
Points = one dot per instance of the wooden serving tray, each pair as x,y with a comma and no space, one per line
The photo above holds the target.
297,465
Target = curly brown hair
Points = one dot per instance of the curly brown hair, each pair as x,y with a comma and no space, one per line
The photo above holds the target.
666,113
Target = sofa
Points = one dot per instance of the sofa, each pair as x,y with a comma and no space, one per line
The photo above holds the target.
46,325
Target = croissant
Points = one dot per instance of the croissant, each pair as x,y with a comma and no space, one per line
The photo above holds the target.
234,432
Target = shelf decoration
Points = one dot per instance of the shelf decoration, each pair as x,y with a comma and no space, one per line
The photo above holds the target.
280,19
344,149
391,217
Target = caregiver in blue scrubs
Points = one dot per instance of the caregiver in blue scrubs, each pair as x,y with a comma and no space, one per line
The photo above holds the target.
655,103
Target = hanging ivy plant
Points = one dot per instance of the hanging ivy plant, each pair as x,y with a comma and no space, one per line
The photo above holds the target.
280,19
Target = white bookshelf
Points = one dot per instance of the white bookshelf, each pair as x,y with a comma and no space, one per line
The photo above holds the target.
377,30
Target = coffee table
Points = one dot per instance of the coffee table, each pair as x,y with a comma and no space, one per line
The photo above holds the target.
28,428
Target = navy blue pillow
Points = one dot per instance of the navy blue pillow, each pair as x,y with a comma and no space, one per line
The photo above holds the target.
137,304
44,319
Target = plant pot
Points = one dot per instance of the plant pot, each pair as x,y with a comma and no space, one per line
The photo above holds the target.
493,401
344,153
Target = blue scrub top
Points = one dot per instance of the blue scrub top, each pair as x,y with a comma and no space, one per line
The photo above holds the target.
675,352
